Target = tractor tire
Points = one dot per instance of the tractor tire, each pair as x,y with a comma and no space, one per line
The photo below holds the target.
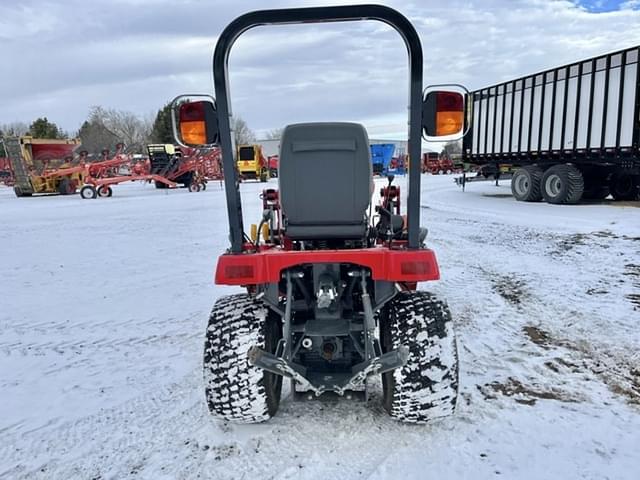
160,185
426,387
562,184
623,187
235,390
104,191
194,187
203,186
526,183
88,191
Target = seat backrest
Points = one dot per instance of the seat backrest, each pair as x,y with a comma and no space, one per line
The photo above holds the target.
325,178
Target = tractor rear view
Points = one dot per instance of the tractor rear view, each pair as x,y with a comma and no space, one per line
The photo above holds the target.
44,165
331,288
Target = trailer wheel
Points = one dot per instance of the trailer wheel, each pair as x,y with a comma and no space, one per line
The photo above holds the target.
235,390
88,191
623,187
526,183
427,386
104,191
562,183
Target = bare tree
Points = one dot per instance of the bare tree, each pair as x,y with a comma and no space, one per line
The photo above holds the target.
241,131
132,130
14,129
274,134
452,149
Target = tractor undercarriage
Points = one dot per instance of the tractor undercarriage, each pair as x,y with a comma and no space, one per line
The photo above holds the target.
329,342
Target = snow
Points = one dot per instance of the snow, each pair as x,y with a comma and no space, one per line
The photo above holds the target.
105,304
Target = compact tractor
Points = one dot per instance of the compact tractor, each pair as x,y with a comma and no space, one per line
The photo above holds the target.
331,297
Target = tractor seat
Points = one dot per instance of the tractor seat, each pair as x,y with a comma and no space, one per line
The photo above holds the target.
325,179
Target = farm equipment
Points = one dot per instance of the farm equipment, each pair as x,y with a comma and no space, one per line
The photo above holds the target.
331,295
273,162
43,165
437,164
6,172
398,165
209,163
381,155
568,133
251,163
101,176
169,162
431,163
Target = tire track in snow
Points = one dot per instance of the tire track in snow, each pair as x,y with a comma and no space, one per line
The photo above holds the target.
533,302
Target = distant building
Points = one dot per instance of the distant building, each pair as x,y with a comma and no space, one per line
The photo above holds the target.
272,146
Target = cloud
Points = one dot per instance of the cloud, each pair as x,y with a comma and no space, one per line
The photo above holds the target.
59,59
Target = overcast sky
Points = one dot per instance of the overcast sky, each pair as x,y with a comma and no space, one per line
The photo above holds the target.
59,58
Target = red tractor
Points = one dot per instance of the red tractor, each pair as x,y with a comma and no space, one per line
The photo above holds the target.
331,296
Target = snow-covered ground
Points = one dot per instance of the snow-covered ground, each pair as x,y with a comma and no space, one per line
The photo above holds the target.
104,305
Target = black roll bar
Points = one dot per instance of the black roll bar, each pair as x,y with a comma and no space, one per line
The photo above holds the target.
318,15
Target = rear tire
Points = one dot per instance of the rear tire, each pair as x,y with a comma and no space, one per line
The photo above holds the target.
427,386
623,187
562,184
526,183
194,187
235,390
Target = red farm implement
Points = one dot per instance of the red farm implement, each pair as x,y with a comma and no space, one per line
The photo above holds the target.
186,166
101,176
6,172
437,164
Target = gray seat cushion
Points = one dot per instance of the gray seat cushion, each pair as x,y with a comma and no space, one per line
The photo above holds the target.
325,178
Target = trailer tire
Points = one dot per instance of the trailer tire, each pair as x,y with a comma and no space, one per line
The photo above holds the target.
235,390
88,191
426,387
562,184
526,183
623,187
104,191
